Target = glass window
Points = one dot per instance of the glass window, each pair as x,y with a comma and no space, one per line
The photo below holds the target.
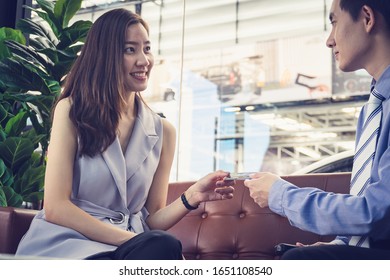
249,85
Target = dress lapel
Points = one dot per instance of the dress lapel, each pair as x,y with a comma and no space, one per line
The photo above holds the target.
142,140
115,161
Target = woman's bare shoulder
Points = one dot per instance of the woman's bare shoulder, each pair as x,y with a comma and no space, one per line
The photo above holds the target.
63,104
169,129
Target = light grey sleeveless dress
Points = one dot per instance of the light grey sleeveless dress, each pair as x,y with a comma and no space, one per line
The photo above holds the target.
112,187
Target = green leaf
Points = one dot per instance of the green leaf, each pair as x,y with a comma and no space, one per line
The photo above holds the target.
16,124
73,34
15,151
3,135
47,6
2,168
9,34
36,28
22,75
63,62
40,43
7,179
35,139
17,75
49,18
27,53
13,199
53,86
44,103
37,159
34,196
36,124
64,10
3,199
30,181
3,113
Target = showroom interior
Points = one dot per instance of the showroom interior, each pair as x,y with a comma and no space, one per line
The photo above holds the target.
248,84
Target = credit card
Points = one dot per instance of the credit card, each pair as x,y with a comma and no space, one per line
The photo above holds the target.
239,176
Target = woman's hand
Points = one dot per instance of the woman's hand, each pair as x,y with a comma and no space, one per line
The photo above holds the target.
209,188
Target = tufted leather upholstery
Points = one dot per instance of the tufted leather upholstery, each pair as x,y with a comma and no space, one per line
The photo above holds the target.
234,229
239,228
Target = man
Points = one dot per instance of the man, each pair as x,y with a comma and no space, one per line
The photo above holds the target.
360,39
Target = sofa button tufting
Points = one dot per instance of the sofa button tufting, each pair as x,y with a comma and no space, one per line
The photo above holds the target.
242,215
235,256
204,215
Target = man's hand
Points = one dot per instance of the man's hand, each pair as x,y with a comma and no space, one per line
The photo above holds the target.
259,186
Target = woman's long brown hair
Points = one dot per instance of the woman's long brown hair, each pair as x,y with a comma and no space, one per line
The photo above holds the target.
95,83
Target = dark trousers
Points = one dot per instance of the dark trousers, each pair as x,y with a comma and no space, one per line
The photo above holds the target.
151,245
335,252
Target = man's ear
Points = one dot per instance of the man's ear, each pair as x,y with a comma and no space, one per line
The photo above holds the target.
368,17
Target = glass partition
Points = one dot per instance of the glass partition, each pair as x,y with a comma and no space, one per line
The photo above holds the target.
249,85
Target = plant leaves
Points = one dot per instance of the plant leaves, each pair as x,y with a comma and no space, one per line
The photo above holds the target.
3,113
37,159
64,10
12,198
15,151
25,76
73,34
34,196
27,53
3,135
49,18
16,75
63,62
48,15
7,179
16,124
39,43
36,28
9,34
2,168
30,181
48,7
3,199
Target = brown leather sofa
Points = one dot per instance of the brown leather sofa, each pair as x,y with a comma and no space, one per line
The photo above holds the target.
233,229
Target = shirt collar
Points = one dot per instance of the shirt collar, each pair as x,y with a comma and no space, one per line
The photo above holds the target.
383,83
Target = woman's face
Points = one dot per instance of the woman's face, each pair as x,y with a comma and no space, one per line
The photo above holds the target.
137,58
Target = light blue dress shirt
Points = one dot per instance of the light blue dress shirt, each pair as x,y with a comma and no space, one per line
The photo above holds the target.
327,213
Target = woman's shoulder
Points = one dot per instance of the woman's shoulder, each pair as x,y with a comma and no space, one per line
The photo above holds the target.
168,127
63,105
61,110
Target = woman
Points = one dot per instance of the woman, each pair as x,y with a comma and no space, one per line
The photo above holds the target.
110,156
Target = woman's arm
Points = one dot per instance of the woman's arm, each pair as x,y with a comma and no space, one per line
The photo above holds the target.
58,184
210,187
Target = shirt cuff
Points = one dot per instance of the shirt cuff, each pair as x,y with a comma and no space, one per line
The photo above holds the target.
340,240
275,197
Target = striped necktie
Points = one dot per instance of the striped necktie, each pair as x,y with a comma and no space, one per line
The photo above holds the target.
364,154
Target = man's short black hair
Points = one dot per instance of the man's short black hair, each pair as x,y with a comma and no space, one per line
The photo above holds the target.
353,7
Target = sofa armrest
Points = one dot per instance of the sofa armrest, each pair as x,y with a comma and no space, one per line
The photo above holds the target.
14,222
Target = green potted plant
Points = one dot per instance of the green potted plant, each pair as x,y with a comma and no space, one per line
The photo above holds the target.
31,76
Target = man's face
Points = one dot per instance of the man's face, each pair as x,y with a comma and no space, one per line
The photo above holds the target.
348,39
